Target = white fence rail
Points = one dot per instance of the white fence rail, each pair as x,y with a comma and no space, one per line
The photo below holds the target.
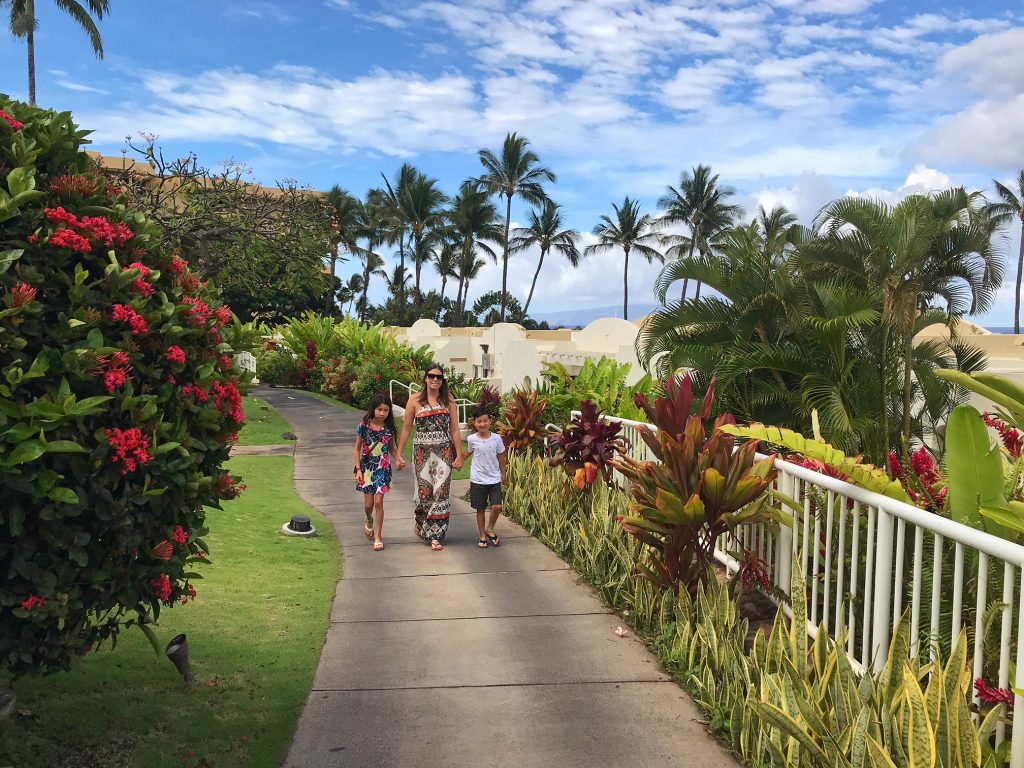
868,558
465,406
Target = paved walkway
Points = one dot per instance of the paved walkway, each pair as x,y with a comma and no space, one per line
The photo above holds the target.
469,657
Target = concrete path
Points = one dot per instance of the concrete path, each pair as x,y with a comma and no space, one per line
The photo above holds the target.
469,657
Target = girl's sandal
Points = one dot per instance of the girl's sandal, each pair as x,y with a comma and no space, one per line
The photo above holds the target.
492,537
378,546
436,545
368,531
482,543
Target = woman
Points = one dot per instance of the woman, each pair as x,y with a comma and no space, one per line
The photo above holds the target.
437,450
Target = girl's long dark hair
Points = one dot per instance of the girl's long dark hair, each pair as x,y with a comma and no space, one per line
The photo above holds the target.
444,398
381,398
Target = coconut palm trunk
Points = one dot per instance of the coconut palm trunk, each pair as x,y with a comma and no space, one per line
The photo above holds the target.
533,285
30,39
625,284
504,256
1020,268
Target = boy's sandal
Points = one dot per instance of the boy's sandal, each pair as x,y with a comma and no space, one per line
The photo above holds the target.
368,531
378,546
482,543
436,545
492,537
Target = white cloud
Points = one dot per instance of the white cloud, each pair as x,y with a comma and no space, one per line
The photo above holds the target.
992,64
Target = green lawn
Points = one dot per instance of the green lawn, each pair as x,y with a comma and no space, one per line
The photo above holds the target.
262,427
255,633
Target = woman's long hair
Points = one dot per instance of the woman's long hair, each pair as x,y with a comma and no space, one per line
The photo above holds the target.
443,396
381,398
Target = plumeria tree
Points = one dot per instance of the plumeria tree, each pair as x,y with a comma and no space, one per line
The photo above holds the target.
119,402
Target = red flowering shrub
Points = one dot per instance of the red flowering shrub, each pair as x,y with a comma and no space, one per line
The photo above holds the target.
107,463
922,479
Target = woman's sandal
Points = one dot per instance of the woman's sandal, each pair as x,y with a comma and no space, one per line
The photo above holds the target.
378,546
436,545
368,531
482,543
492,537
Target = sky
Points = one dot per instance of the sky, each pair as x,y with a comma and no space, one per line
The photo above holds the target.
791,102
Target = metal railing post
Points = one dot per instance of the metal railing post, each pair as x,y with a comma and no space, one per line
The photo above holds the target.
882,592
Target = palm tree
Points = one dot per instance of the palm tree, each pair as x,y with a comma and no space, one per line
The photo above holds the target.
350,291
24,23
373,228
391,200
446,262
1010,207
545,231
421,210
922,250
473,223
344,211
517,173
398,281
700,204
629,231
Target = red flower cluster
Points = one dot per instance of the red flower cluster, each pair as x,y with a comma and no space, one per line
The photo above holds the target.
115,370
1012,438
16,125
223,315
226,363
162,551
228,400
65,238
175,355
215,335
143,288
993,695
34,601
923,482
180,535
228,487
198,312
124,314
177,265
161,587
754,573
189,283
131,448
20,295
69,184
86,229
194,390
191,594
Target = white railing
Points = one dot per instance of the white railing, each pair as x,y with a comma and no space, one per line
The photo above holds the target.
867,558
465,406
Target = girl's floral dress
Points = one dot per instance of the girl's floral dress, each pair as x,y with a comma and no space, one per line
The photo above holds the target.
376,458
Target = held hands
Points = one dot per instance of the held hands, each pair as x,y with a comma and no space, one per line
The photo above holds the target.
457,464
400,463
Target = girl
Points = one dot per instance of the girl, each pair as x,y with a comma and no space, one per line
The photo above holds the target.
437,450
375,445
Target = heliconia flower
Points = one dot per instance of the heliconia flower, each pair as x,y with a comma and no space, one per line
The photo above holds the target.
20,295
994,695
1012,439
16,125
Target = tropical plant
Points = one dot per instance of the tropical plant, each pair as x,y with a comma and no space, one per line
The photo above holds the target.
373,228
276,368
701,488
350,292
446,262
1008,208
338,380
119,402
629,231
516,173
474,223
345,228
242,337
701,204
603,381
487,309
587,445
491,400
298,332
545,231
421,209
24,22
390,202
522,426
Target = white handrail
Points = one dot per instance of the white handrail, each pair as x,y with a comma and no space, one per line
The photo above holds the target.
462,403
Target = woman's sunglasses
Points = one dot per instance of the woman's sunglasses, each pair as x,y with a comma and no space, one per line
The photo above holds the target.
435,376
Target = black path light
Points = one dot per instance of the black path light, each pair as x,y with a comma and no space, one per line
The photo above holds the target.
177,652
299,525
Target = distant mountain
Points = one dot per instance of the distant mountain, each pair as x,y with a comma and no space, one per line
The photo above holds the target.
570,318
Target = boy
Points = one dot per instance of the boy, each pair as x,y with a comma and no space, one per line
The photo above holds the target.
486,475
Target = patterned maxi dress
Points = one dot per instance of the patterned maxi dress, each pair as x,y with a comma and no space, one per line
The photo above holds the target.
433,454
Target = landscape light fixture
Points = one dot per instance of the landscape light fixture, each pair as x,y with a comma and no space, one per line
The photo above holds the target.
177,652
299,525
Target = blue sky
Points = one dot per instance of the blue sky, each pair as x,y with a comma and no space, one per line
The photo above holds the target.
791,101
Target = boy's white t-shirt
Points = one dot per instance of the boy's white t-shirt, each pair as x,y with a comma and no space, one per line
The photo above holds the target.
485,469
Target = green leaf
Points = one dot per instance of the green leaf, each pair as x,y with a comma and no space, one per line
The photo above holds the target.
63,495
28,451
21,180
1011,516
65,446
7,258
151,636
974,468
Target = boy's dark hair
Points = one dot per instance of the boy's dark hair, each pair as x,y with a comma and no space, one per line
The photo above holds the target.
482,410
382,398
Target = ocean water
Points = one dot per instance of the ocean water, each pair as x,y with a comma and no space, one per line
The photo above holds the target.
1000,328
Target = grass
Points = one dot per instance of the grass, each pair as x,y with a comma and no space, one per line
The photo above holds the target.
462,474
255,635
262,427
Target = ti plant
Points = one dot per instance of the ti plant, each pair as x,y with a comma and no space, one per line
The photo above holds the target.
522,428
587,445
701,487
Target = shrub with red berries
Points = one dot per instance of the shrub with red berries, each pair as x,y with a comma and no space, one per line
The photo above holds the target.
118,404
